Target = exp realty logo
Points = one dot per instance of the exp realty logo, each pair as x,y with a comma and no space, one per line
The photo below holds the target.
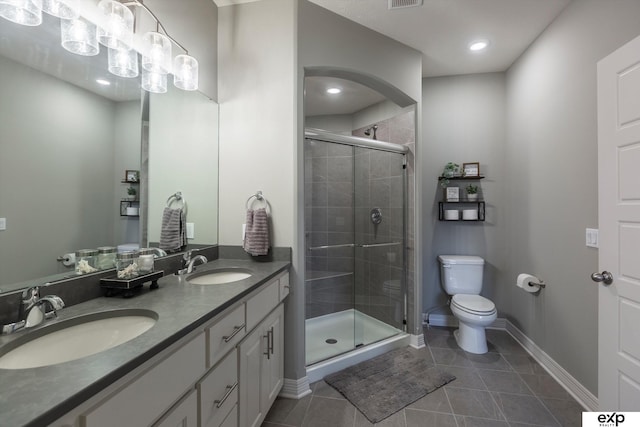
610,419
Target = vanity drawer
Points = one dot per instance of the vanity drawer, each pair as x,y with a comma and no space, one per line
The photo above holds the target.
218,391
151,394
284,286
184,414
261,304
225,334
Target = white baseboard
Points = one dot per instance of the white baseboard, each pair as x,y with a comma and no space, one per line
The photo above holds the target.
417,341
295,389
583,396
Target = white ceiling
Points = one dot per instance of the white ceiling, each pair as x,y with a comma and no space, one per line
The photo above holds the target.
443,29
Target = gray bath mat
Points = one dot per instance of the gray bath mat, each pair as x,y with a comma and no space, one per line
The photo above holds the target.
382,386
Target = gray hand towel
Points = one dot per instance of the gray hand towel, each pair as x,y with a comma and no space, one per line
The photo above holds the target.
173,230
256,234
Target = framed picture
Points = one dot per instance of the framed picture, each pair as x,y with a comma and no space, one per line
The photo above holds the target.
452,194
471,169
132,176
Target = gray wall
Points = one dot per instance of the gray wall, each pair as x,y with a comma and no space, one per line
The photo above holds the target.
463,121
551,162
533,130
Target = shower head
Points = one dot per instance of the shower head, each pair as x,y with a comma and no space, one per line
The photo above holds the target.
368,131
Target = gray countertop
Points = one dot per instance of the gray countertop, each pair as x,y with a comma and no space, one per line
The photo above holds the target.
39,396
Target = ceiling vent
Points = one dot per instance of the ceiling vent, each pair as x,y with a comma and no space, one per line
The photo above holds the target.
400,4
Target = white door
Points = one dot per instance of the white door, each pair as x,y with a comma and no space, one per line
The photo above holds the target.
619,223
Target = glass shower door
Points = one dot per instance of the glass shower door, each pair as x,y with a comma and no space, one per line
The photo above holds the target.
329,260
379,190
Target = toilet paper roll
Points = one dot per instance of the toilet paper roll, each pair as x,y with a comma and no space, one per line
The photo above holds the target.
451,214
69,260
470,214
523,282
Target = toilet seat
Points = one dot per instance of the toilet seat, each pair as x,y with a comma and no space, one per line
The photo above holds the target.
473,304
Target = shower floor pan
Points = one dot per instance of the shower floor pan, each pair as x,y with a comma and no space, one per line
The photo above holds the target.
337,333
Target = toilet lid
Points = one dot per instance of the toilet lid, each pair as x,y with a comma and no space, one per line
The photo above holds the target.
473,303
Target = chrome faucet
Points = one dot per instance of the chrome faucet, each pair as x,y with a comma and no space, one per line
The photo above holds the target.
189,263
157,252
34,310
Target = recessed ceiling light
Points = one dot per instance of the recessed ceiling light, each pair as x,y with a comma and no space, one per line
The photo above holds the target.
334,90
478,45
103,82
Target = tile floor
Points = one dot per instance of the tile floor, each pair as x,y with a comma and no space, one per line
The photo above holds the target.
504,387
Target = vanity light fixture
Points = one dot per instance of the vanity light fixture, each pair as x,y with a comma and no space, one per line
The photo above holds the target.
103,82
157,58
123,62
23,12
79,36
114,29
64,9
154,82
334,90
117,30
478,45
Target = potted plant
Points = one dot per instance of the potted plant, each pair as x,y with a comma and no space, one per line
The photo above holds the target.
132,192
472,192
450,170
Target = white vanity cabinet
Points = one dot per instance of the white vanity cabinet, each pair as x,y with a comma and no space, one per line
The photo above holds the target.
225,374
261,370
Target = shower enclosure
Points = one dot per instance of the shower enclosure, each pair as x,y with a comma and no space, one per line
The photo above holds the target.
355,234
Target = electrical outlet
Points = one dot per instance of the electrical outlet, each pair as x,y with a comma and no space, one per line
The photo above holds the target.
3,224
191,230
591,237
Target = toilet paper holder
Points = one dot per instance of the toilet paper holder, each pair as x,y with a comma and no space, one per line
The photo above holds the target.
542,284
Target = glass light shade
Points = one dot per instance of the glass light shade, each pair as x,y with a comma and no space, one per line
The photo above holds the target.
23,12
185,72
116,30
157,53
154,82
63,9
79,36
123,63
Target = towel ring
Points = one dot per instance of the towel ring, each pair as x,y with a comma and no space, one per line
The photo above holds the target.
258,197
177,197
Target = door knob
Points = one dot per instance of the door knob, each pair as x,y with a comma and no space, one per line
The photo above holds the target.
604,277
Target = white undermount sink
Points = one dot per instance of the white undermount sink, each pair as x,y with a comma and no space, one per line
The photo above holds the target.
75,338
219,276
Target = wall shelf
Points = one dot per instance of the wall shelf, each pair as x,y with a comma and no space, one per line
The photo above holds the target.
479,203
462,178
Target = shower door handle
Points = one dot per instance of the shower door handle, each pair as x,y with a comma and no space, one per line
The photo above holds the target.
379,245
317,248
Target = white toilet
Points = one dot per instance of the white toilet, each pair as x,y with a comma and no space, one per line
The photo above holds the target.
461,277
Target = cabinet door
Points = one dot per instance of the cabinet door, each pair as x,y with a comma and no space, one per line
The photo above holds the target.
273,363
252,351
184,414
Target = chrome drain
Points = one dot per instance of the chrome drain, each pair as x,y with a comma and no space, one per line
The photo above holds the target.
331,341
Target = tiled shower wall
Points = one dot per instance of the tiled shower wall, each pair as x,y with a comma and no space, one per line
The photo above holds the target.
329,210
329,221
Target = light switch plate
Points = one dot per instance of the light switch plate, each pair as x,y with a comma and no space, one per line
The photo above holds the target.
191,230
592,237
3,224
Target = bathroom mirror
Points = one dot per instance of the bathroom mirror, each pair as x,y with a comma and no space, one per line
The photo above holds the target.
66,145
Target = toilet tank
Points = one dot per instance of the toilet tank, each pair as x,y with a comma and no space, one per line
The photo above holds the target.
461,274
